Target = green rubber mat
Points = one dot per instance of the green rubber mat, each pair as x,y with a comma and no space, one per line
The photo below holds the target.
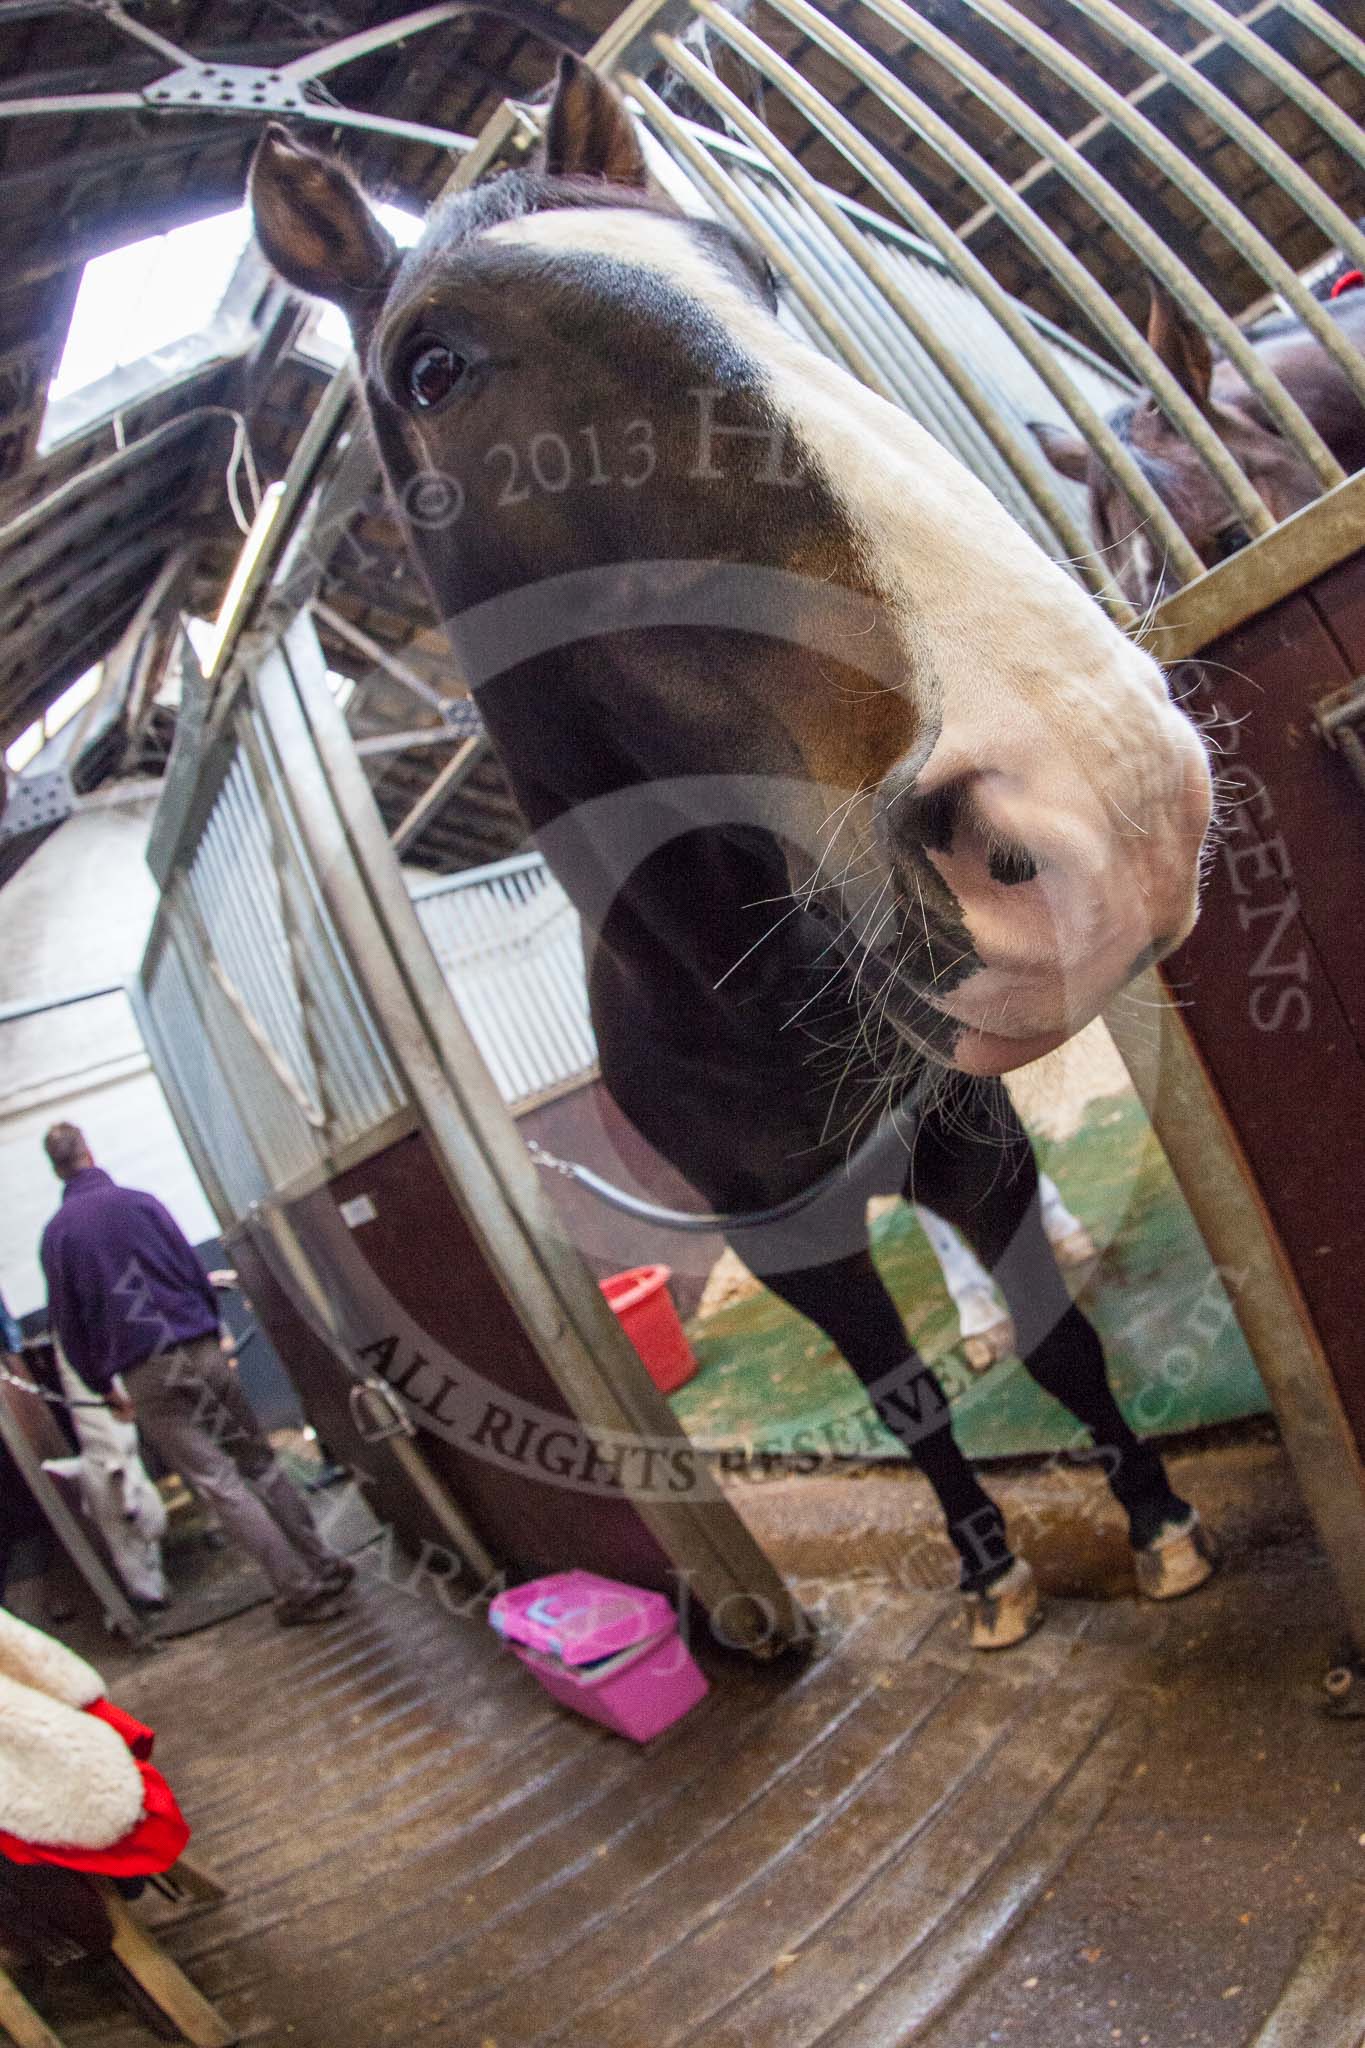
769,1381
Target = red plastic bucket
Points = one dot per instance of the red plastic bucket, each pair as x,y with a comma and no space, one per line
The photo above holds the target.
644,1308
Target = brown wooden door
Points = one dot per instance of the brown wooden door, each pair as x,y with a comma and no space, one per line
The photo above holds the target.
1273,977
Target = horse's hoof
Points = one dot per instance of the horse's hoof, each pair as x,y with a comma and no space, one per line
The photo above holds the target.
988,1347
1077,1248
1006,1612
1177,1560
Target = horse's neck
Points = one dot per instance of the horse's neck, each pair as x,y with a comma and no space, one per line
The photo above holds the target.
1317,384
708,920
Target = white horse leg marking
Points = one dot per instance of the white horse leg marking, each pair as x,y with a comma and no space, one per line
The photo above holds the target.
1068,1236
984,1324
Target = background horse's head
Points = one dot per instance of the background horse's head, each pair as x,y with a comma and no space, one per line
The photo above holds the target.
1281,476
678,551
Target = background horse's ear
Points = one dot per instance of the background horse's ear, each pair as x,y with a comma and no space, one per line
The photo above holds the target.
589,133
1065,450
314,223
1182,346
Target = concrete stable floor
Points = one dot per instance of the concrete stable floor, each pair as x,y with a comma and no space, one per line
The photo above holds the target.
1137,1828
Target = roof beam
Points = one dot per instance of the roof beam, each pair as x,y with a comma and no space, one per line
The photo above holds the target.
1099,131
377,746
432,802
84,597
392,664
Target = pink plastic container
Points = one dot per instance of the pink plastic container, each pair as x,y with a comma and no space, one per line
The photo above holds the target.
644,1308
607,1650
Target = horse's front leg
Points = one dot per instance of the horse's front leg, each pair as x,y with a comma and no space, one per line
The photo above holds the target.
846,1299
984,1327
973,1163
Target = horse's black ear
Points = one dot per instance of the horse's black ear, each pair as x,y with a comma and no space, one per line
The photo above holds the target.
315,224
1182,346
589,133
1065,450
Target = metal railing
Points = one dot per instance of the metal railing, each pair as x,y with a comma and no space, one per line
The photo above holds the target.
972,367
508,942
248,998
852,294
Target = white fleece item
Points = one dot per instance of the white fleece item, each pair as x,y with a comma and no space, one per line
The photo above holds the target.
115,1490
66,1780
34,1659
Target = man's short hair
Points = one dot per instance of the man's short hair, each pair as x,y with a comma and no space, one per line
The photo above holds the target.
65,1146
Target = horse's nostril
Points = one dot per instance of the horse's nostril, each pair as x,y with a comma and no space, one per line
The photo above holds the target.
1011,864
929,818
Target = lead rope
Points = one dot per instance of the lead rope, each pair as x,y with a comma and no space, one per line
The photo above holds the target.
12,1379
734,1221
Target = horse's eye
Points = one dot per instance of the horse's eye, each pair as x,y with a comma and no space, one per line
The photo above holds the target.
431,371
1229,540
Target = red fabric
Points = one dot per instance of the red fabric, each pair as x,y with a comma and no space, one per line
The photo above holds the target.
157,1841
138,1736
1351,282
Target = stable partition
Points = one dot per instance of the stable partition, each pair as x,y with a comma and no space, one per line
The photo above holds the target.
447,1342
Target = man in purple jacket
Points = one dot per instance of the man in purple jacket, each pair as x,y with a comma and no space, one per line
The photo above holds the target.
138,1320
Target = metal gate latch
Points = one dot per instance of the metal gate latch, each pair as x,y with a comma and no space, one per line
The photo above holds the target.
376,1413
1338,719
1345,1689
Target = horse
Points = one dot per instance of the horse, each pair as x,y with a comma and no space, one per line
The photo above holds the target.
855,791
1196,500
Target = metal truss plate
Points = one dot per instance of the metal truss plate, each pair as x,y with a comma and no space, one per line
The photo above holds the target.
36,801
228,89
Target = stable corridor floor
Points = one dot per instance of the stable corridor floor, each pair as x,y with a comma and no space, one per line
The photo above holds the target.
1136,1829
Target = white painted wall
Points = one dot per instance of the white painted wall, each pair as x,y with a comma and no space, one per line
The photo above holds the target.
77,915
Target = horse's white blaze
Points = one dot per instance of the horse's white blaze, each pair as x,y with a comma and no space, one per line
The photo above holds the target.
1076,751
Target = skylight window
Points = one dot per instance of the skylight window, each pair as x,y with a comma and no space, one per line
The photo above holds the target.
145,312
134,301
59,713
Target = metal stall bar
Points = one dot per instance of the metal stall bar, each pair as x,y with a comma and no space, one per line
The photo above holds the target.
831,324
1023,462
491,1176
972,273
1003,379
621,45
1284,76
1060,262
363,1080
565,1053
1231,223
242,940
1302,548
198,1086
683,143
1329,30
1050,249
293,932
